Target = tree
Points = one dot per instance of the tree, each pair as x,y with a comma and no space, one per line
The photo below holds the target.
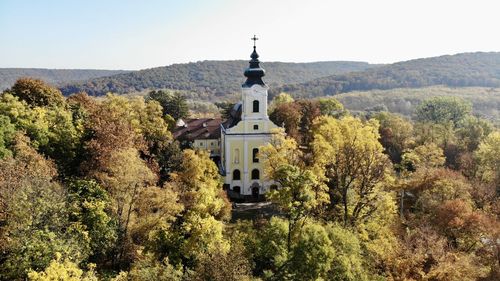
34,216
288,115
88,204
173,103
51,130
488,155
199,227
7,131
331,106
425,156
299,191
355,168
124,177
62,270
36,93
281,98
396,134
443,110
148,268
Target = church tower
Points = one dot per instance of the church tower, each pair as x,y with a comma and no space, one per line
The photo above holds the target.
254,90
244,133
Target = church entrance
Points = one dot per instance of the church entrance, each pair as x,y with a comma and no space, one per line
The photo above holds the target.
255,192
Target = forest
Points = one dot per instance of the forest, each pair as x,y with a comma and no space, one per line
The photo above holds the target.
9,76
212,78
478,69
97,189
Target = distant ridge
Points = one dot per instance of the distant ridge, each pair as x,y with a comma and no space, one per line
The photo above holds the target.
210,78
478,69
8,76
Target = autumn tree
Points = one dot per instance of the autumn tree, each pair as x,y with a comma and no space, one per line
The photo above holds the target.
199,228
37,93
488,155
355,167
300,191
64,270
396,134
34,215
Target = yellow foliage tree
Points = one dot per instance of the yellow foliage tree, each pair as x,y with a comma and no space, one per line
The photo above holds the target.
355,168
62,270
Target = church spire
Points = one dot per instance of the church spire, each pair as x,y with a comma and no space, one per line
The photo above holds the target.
254,72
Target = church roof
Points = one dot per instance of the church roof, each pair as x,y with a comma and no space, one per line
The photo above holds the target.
195,129
234,116
254,72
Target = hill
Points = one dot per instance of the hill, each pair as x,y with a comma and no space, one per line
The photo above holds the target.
8,76
462,70
210,78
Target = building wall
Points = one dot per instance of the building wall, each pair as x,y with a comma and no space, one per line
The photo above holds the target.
212,145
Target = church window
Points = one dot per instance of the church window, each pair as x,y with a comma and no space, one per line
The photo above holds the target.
236,175
255,152
236,156
255,174
255,106
255,127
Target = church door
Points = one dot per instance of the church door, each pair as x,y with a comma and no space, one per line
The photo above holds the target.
255,192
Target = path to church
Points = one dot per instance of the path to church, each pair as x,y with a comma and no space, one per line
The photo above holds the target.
253,211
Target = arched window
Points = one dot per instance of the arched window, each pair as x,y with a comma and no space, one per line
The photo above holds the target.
255,152
236,189
236,175
236,156
255,106
255,174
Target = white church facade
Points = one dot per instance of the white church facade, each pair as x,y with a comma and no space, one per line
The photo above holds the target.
241,136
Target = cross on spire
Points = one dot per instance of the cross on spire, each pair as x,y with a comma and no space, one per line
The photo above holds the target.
254,38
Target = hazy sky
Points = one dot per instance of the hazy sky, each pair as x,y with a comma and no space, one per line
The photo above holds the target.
126,34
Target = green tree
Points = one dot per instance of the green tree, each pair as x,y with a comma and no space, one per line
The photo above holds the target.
34,215
173,103
7,131
331,106
443,110
89,205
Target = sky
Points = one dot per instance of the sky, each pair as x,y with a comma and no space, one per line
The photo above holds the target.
134,34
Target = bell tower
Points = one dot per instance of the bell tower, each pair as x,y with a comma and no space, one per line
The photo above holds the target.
254,90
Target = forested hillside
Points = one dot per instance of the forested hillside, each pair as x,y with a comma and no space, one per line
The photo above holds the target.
98,189
210,78
8,76
461,70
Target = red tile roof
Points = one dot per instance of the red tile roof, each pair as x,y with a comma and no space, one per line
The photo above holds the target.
195,129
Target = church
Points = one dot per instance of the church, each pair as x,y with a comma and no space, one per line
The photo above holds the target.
234,143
